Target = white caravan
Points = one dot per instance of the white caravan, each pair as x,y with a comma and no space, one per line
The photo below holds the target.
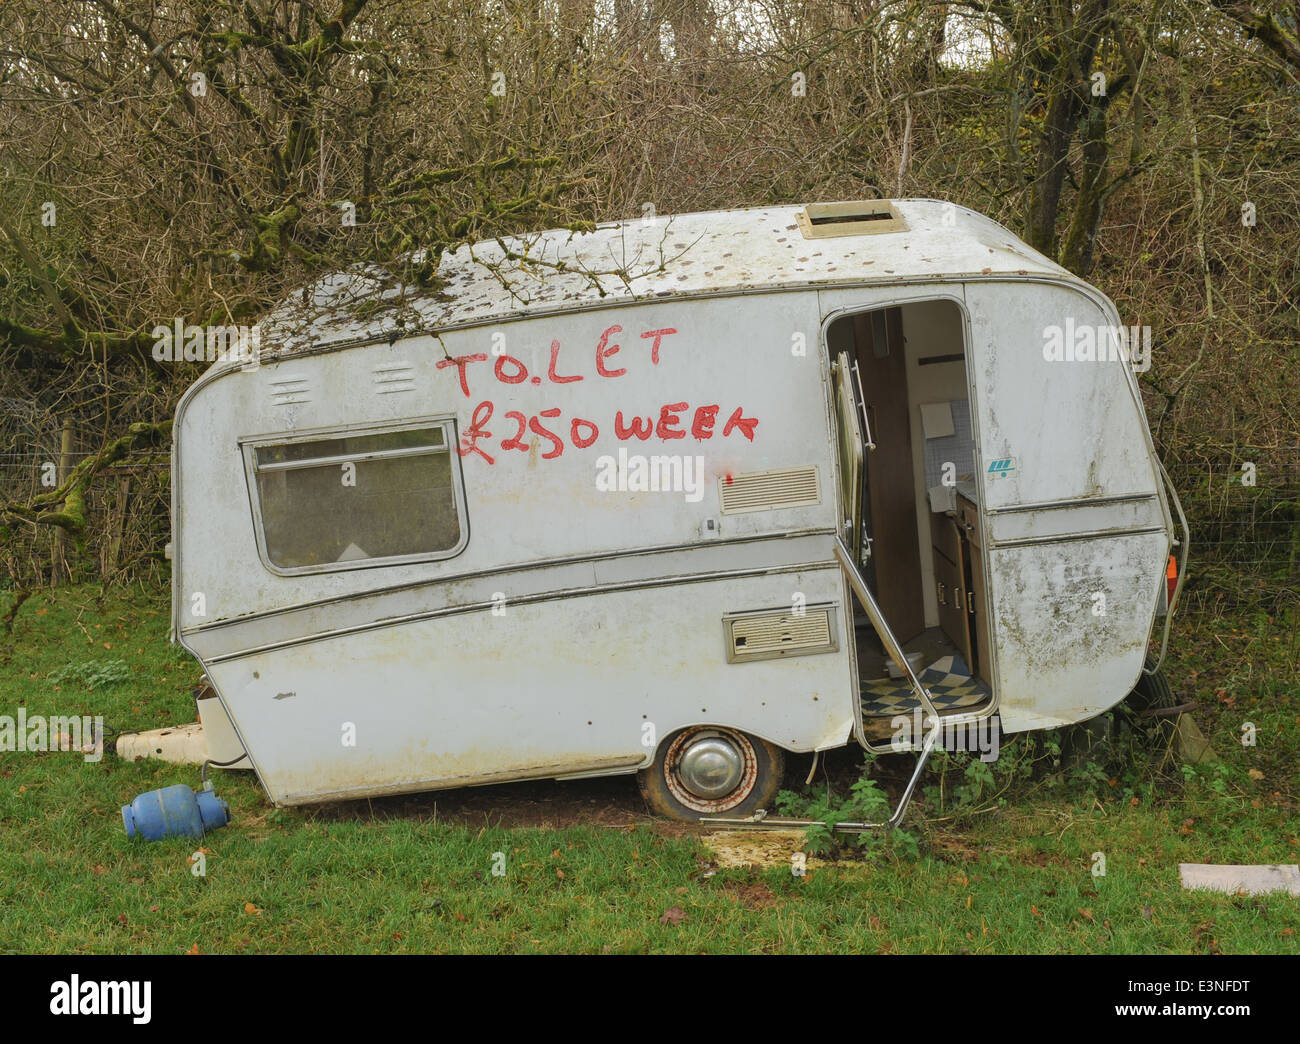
670,497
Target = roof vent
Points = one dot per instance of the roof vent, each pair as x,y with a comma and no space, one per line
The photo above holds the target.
855,218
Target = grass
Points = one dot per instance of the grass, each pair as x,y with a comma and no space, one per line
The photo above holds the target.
1011,874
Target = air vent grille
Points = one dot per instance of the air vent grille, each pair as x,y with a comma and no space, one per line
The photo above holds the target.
767,635
860,218
287,391
769,490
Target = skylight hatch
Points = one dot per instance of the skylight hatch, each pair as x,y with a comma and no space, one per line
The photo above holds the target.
853,218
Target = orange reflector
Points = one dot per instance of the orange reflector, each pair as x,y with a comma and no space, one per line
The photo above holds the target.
1171,577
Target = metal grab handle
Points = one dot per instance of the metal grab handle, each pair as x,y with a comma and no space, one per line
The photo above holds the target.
862,404
1185,546
892,647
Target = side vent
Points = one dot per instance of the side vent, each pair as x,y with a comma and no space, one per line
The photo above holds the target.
769,490
393,377
286,391
862,218
771,635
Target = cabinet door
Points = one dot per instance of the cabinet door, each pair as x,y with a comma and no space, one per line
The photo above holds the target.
952,602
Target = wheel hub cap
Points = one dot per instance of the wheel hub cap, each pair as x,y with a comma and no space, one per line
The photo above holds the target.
710,767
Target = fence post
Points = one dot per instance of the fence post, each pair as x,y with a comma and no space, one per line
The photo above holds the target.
59,571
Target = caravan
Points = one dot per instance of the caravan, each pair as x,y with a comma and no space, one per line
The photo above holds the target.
675,498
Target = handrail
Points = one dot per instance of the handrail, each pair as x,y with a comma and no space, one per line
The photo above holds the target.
1185,546
877,618
760,818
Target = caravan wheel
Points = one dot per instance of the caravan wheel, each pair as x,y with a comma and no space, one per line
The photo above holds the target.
710,771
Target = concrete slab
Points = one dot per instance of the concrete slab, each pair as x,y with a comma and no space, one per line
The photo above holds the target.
1241,880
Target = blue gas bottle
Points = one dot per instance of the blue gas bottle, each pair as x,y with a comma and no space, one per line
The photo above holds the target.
175,812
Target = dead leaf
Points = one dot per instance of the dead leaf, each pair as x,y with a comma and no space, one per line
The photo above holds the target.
1086,914
559,873
249,908
673,915
1254,774
194,951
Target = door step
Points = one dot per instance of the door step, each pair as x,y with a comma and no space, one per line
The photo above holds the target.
952,688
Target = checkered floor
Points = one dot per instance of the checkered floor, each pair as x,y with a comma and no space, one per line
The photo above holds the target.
948,679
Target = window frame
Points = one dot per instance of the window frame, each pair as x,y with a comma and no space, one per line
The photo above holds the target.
446,421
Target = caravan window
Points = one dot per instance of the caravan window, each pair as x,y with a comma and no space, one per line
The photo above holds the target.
341,501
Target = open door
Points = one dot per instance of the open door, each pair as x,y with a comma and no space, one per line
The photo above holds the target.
911,555
851,448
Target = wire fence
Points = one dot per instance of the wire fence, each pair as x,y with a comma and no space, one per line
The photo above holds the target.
1243,510
127,504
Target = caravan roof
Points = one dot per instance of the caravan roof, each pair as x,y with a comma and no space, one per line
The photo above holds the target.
723,251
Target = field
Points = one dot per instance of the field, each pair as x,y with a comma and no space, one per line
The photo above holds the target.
1005,859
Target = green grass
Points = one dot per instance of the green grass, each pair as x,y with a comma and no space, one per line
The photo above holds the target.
357,878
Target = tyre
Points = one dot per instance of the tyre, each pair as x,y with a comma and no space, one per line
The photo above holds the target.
1152,692
1124,735
708,770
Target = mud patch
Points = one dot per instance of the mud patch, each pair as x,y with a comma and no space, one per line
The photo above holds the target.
753,895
